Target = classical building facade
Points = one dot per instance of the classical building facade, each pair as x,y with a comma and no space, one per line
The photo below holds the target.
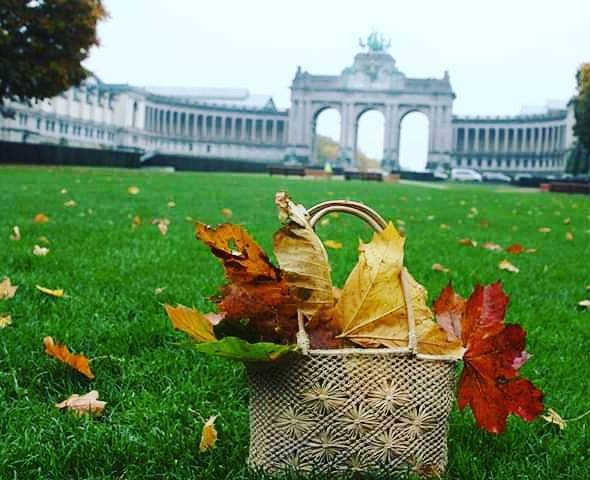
234,124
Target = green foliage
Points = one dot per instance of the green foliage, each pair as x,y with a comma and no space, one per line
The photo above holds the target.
327,149
153,380
578,159
582,106
238,349
42,45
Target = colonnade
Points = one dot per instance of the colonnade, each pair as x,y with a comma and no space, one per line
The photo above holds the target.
251,127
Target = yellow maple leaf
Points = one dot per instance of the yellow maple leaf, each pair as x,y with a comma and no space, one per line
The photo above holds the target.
5,320
54,293
333,244
7,290
191,321
63,354
133,190
371,310
208,435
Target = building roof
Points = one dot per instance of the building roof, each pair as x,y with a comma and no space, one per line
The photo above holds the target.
226,97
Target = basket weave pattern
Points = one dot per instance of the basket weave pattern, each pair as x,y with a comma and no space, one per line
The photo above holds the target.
355,411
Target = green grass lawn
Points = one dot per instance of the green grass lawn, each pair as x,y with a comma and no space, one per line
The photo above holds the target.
159,389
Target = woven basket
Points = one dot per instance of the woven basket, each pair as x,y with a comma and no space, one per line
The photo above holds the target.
352,409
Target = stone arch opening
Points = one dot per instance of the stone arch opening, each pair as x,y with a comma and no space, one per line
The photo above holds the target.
370,134
414,141
327,131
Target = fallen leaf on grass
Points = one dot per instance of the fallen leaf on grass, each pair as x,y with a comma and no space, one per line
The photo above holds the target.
467,242
191,321
324,221
587,287
515,249
437,267
62,353
88,403
159,290
136,222
7,290
227,213
444,226
54,293
133,190
494,247
553,417
208,435
544,230
43,239
569,236
70,203
5,320
41,218
567,221
15,235
584,304
333,244
506,265
63,191
162,224
40,251
171,204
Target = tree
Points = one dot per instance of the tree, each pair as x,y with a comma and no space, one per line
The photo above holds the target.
42,45
578,159
582,106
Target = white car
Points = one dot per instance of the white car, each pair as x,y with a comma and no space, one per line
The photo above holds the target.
465,175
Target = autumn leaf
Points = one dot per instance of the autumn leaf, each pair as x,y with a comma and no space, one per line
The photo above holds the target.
506,265
490,383
136,221
372,311
333,244
191,321
569,236
494,247
62,353
41,218
467,242
15,235
7,290
544,230
227,213
5,321
54,293
444,226
584,304
208,435
162,224
515,249
437,267
70,203
257,290
304,263
159,290
236,348
171,204
133,190
555,418
40,251
81,404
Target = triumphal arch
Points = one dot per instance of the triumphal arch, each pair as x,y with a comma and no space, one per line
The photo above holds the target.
373,82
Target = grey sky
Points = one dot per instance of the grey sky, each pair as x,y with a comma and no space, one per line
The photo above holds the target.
501,55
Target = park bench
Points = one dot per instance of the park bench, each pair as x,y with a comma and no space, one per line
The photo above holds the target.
570,187
370,176
285,170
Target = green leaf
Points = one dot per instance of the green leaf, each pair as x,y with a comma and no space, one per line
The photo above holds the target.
238,349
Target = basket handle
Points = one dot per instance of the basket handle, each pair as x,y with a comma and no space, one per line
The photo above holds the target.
377,223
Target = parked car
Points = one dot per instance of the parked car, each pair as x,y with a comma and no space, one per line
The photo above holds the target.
465,175
496,177
440,174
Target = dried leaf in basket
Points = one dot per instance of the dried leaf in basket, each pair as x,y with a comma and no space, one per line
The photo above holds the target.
257,290
371,311
304,263
490,383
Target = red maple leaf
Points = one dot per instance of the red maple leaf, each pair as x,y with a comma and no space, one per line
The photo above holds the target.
515,249
490,383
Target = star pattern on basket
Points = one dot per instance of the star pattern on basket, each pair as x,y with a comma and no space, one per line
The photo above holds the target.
358,463
325,447
389,444
357,420
388,396
323,397
295,463
293,422
417,421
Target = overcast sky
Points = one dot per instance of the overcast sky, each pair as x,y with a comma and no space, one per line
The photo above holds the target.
501,54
